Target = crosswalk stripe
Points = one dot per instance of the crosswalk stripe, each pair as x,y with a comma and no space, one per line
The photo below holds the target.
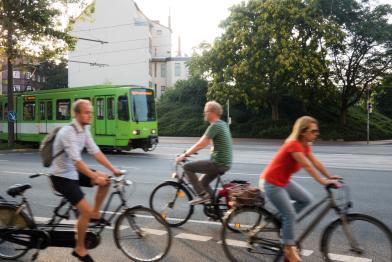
344,258
193,237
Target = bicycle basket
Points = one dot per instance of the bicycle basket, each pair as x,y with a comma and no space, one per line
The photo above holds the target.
246,195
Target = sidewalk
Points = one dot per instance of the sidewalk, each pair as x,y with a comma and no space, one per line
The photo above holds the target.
259,141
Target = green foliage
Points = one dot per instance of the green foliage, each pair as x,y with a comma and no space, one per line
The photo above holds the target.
56,74
180,114
269,49
364,53
384,97
180,109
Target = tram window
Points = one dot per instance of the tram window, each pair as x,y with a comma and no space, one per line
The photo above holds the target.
123,109
111,108
29,111
49,110
63,110
42,113
1,111
100,108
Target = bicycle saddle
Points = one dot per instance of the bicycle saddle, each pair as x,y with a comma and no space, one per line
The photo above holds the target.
17,189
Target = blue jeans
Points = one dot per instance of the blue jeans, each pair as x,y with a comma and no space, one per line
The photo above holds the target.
281,198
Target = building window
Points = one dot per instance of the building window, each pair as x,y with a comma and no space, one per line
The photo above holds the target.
29,111
159,32
163,89
63,109
38,78
163,70
28,75
123,109
16,74
43,79
16,88
155,69
177,69
28,88
110,102
49,110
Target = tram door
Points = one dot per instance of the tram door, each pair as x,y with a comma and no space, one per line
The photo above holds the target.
105,115
45,115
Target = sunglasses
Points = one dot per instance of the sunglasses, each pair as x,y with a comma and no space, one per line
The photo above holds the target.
314,131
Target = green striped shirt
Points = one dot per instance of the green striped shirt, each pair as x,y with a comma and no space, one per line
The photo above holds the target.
220,135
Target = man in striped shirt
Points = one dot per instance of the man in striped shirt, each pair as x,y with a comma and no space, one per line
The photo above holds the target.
218,134
70,172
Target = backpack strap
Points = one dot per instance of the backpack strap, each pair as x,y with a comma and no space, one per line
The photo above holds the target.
62,151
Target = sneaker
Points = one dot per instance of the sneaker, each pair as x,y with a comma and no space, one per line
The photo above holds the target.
203,199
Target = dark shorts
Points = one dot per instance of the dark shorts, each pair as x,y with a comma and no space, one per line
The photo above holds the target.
70,188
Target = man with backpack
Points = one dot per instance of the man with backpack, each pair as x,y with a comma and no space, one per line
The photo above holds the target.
70,172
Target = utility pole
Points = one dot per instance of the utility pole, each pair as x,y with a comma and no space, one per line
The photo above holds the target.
10,93
369,110
228,113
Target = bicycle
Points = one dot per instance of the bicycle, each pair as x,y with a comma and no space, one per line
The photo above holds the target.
139,232
344,239
170,199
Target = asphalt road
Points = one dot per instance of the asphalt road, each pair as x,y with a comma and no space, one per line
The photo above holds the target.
366,169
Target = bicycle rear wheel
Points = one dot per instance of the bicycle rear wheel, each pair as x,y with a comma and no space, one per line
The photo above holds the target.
10,220
371,240
142,234
256,236
170,199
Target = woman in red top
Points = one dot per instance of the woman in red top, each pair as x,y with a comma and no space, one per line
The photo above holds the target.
276,180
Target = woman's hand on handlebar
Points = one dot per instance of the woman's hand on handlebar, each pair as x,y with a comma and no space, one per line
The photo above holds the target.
180,158
336,177
117,172
334,183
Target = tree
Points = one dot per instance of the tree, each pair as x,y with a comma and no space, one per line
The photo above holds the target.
364,53
268,49
31,28
384,97
56,74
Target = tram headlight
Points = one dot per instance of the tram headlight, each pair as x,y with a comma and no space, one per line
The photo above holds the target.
136,132
153,131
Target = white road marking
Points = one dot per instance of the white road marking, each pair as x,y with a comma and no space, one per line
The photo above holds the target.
306,253
344,258
4,160
193,237
201,238
14,172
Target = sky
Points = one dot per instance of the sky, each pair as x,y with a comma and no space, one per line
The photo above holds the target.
194,21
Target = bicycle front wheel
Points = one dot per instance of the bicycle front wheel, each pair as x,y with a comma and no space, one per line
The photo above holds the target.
10,220
256,235
171,200
142,234
357,237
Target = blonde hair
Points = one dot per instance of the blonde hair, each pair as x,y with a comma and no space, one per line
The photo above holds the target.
214,107
301,125
77,106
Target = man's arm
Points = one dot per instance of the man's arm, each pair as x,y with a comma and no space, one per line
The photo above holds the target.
102,159
202,143
320,167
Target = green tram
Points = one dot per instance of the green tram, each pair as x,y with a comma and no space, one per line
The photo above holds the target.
124,116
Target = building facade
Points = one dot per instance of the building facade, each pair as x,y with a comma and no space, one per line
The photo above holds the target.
120,45
25,77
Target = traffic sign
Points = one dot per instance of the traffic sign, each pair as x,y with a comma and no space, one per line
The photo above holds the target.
11,116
